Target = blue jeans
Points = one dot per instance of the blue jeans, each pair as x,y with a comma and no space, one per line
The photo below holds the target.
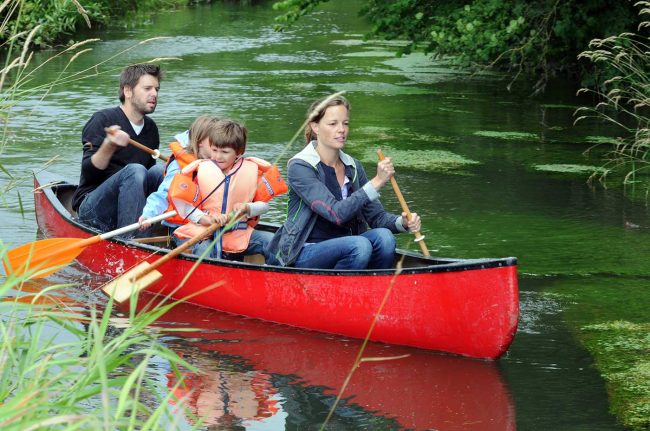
119,200
257,245
374,249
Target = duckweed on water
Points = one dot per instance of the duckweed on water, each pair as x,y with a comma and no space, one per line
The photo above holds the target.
558,106
507,135
456,111
622,353
426,160
422,68
571,169
371,53
378,135
348,42
601,140
357,40
368,87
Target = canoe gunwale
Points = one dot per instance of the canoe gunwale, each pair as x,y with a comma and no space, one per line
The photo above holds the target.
49,185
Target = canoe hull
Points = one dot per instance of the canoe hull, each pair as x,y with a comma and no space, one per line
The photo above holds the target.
463,308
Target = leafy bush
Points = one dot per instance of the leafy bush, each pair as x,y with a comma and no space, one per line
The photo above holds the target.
541,37
57,19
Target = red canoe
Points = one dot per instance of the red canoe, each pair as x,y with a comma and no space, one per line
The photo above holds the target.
468,307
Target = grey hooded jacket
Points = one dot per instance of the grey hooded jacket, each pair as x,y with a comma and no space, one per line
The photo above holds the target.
310,198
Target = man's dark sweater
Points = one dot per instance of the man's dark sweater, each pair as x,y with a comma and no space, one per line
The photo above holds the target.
94,133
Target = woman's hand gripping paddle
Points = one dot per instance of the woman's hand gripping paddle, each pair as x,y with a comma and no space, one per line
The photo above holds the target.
145,274
419,238
45,257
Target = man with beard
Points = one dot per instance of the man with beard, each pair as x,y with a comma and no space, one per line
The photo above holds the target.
116,177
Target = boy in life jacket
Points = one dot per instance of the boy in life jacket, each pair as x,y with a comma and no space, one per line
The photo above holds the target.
187,147
228,182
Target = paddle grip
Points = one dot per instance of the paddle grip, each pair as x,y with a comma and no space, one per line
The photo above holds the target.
134,226
418,236
144,148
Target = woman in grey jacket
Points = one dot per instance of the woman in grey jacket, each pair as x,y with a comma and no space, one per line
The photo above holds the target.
332,203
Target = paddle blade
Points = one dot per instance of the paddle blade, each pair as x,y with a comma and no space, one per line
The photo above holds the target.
122,287
42,257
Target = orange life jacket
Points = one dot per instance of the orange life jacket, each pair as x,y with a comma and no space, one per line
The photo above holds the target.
269,182
183,157
222,192
180,154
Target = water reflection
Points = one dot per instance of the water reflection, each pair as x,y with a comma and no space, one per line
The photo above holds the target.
226,396
254,372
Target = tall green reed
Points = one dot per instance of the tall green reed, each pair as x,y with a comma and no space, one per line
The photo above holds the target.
624,99
67,367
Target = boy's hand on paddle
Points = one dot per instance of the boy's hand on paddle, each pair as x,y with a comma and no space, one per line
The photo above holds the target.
143,223
412,225
241,208
220,219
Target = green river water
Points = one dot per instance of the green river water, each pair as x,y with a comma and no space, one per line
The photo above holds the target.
470,159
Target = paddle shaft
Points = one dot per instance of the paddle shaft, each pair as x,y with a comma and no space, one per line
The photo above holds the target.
418,236
155,153
136,225
95,239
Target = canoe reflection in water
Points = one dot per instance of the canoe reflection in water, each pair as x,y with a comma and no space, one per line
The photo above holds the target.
226,397
260,375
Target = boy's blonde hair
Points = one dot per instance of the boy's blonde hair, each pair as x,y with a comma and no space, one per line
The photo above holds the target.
232,134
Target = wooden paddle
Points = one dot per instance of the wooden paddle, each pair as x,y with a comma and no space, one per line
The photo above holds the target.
419,238
154,153
49,255
145,274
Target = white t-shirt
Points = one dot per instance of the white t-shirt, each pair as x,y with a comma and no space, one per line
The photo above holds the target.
137,127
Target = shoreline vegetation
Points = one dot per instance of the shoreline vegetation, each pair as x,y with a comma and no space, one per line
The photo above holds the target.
617,338
623,61
58,20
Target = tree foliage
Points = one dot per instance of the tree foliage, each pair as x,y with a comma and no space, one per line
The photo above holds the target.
541,38
57,19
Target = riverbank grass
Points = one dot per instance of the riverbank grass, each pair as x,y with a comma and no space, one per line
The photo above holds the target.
622,353
611,320
68,367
